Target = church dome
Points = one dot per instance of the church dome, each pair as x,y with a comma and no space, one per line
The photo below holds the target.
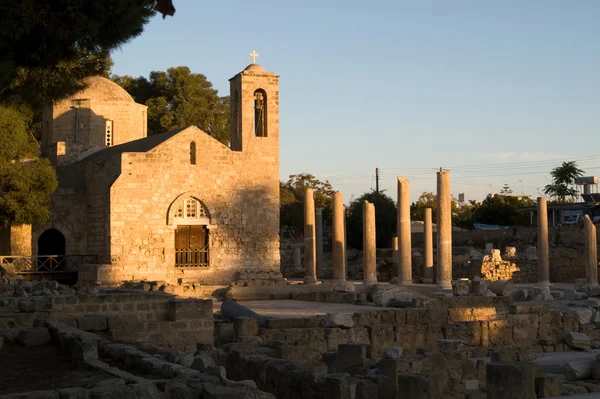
254,68
101,89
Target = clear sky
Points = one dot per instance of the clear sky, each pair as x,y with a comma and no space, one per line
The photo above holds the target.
495,91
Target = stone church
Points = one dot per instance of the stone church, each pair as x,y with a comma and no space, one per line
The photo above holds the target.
176,205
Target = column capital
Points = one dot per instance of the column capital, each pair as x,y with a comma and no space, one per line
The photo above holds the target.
319,211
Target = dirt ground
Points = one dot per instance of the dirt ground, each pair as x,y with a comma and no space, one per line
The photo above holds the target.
34,368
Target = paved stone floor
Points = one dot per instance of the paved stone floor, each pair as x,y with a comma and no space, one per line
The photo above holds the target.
292,308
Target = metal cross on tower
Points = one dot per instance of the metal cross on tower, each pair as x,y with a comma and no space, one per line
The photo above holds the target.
254,56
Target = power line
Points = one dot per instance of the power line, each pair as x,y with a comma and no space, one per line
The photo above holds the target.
497,167
532,169
504,164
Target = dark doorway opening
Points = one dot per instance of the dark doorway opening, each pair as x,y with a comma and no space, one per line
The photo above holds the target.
52,242
51,251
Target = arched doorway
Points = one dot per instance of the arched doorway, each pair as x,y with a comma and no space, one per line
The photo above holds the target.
51,250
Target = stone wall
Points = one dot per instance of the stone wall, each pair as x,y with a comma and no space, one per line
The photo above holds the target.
566,265
15,240
315,357
239,190
153,318
567,236
80,121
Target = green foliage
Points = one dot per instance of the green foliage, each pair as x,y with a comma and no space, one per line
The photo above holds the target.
428,200
38,87
43,34
563,178
15,143
47,48
386,219
286,195
292,200
503,210
179,98
322,191
26,182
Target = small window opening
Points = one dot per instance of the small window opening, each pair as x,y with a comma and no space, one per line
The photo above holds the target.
108,133
193,153
260,113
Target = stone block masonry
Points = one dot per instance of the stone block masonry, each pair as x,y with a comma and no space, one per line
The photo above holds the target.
153,318
121,194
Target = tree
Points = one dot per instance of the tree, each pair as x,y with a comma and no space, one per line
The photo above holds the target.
292,200
47,48
38,38
26,182
506,189
386,219
563,178
503,210
428,200
165,7
463,215
179,98
322,190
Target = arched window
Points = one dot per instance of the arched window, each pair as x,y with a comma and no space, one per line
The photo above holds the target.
193,153
191,211
260,113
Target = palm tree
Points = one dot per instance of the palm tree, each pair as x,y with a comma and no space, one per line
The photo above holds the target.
563,177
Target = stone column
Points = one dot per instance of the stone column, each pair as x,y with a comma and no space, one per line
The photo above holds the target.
369,245
319,237
428,242
310,251
591,252
297,257
20,240
404,233
345,239
338,256
395,264
543,247
444,230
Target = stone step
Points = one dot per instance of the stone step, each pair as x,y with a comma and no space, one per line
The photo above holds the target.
554,363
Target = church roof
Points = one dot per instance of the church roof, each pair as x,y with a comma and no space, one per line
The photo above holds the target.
254,68
141,145
102,89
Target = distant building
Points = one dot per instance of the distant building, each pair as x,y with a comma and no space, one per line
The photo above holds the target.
557,213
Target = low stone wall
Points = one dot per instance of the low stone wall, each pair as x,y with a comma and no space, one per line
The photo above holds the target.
311,357
155,318
478,321
174,376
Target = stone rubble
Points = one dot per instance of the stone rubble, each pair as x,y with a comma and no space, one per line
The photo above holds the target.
339,320
578,340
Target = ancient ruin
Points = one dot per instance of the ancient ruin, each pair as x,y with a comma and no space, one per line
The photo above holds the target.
439,314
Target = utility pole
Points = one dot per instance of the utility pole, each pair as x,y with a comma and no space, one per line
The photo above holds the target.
521,181
377,180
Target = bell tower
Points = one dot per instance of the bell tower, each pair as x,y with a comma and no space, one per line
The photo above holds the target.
254,108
